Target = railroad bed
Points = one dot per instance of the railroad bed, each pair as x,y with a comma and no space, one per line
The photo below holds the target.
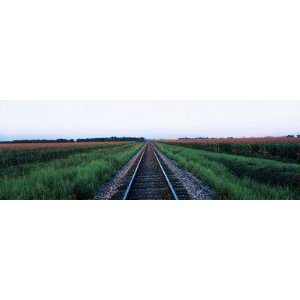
151,179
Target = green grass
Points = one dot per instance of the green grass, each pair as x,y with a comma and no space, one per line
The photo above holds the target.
69,176
16,158
284,151
238,177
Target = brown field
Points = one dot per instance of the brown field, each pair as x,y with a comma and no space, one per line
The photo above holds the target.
56,145
238,140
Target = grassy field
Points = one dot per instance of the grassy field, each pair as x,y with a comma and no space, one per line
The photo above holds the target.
282,148
76,170
236,176
60,172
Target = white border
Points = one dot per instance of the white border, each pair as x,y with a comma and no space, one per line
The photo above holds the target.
149,250
173,50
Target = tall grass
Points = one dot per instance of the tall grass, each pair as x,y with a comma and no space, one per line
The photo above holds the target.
285,151
75,177
18,156
237,177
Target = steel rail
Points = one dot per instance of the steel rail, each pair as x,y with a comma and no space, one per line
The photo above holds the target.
167,178
170,186
133,176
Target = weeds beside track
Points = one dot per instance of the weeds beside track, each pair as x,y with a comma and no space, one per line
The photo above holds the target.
236,176
72,173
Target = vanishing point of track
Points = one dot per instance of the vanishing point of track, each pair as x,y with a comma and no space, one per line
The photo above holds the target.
151,179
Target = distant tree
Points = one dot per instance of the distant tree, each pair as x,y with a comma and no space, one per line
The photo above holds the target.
43,141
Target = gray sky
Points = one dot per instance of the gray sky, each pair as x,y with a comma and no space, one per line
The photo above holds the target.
152,119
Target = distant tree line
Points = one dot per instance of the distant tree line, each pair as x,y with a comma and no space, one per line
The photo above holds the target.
41,141
230,137
107,139
113,139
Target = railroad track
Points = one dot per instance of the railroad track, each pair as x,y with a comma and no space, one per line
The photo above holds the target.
151,179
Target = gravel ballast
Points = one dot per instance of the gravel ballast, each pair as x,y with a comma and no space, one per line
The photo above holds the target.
111,188
194,187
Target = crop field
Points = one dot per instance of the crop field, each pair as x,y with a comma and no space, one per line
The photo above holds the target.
59,170
240,175
285,149
15,146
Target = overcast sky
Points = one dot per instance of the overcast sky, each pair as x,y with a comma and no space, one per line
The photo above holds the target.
152,119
